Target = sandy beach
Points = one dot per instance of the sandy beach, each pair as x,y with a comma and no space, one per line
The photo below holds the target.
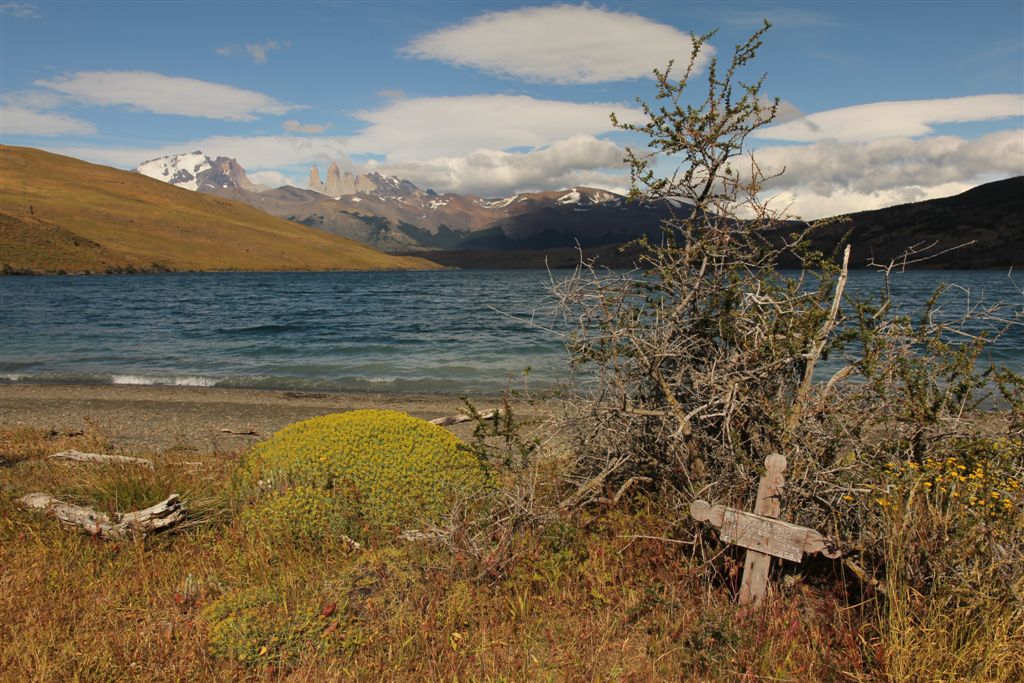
162,417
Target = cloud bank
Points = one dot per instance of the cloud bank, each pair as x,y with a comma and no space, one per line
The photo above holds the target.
828,178
430,127
558,44
23,121
577,160
910,118
153,92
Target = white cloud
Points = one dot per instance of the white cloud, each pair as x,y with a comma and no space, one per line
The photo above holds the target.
296,127
810,205
33,99
274,179
253,153
909,118
559,44
167,95
258,51
16,120
574,161
20,10
428,127
828,178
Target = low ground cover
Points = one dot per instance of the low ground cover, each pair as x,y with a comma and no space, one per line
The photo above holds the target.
602,594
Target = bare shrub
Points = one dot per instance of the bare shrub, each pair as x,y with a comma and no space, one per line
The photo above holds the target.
707,358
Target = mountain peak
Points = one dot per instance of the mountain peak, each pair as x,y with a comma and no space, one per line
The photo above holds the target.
373,183
196,171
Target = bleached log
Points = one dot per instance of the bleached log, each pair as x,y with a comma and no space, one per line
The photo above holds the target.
78,456
462,417
160,517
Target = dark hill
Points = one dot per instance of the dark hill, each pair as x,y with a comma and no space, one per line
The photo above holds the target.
990,215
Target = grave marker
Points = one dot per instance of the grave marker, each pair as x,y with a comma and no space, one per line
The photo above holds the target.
761,534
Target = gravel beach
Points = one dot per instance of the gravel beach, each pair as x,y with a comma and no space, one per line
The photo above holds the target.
148,418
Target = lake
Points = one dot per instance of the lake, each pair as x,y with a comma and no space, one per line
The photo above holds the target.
452,332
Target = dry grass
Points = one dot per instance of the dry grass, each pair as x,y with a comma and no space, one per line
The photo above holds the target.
61,214
585,598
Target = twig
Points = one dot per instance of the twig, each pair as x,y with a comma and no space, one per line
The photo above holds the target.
658,538
859,572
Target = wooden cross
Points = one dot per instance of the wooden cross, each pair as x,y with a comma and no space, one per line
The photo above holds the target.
761,534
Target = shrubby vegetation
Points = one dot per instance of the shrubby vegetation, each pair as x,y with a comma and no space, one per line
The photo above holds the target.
392,469
707,360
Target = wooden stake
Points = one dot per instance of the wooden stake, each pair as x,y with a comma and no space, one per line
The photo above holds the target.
754,584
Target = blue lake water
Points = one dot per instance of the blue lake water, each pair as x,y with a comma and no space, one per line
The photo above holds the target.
455,332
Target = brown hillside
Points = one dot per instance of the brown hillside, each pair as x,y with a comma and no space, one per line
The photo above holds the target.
62,214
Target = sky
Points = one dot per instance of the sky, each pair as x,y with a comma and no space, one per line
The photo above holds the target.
881,102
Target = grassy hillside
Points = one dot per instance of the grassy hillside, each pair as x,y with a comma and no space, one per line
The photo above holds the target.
62,214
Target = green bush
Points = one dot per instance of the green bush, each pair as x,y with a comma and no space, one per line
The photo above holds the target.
301,515
258,626
392,469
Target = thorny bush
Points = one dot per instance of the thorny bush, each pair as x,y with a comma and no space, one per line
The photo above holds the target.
707,358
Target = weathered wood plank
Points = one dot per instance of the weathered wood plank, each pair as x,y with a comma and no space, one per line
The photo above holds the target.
763,535
745,528
754,585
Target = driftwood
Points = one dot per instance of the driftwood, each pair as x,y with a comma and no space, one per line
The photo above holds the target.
78,456
462,417
160,517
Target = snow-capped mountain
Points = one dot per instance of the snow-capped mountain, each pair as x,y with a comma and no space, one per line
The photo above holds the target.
392,214
198,172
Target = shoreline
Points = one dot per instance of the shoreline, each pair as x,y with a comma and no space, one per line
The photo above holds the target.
157,417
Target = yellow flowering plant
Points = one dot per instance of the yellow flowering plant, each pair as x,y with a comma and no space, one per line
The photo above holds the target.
392,469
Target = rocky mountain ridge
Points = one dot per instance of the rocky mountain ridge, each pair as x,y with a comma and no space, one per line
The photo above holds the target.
339,184
395,216
198,172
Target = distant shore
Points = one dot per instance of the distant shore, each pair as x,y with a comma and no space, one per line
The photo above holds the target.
162,417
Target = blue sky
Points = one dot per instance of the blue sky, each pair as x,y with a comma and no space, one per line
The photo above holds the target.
883,102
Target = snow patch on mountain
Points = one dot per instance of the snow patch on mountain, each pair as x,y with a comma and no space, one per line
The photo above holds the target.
179,169
571,197
497,203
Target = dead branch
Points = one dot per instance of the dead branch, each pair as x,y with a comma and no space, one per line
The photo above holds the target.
78,456
160,517
462,417
819,343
